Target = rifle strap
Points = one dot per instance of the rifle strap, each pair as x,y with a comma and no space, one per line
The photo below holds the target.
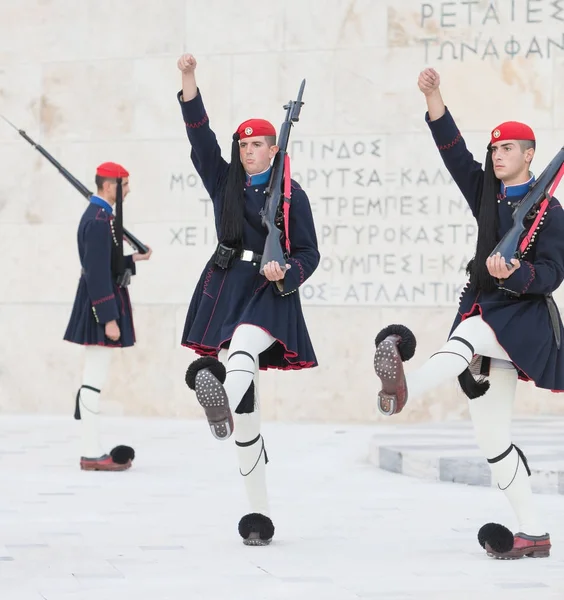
556,181
287,195
542,209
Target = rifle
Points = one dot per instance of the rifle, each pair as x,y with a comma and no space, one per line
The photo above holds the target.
514,243
137,245
278,189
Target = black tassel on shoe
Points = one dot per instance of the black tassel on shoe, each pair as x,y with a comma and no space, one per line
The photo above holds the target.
122,454
407,344
216,368
499,538
256,529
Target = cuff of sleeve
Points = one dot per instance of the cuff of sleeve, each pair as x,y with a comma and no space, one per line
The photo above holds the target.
293,278
520,280
285,291
444,130
105,310
193,111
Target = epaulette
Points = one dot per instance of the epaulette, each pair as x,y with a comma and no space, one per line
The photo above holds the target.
102,215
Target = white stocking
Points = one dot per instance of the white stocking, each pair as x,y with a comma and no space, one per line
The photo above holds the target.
252,456
243,369
247,343
96,369
491,415
472,336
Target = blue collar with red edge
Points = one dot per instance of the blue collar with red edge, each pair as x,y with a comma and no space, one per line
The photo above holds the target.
520,189
101,203
259,178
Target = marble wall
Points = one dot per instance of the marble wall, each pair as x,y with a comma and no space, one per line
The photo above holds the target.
96,80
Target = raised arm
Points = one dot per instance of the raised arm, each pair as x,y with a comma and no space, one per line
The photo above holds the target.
206,153
459,161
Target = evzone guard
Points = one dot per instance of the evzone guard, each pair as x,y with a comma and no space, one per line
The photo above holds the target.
101,318
248,320
507,327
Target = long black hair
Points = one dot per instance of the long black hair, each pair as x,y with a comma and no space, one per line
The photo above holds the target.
233,201
480,279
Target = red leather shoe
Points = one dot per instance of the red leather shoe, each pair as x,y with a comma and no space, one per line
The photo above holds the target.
533,546
103,463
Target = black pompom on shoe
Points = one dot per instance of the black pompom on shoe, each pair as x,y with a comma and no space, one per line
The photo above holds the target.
121,455
497,536
407,343
256,530
206,376
216,368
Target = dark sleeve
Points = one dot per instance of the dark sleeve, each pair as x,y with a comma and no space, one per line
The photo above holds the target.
545,274
98,272
304,255
130,264
459,161
206,153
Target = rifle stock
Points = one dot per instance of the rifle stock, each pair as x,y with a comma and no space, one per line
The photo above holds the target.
135,243
509,246
273,250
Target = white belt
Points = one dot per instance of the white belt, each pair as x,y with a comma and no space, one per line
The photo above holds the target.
250,256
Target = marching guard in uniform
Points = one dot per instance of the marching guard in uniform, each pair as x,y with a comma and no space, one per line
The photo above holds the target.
507,327
247,320
101,318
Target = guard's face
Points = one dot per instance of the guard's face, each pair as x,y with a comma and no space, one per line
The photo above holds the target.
111,189
510,163
256,154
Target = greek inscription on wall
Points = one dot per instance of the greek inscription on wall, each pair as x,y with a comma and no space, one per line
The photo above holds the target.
389,234
473,30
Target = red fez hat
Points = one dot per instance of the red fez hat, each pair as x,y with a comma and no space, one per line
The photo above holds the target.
113,170
512,130
255,127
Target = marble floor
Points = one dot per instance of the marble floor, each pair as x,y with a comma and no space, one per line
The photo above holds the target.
167,529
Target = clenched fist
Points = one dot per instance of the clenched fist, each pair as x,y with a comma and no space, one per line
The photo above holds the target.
137,256
429,81
112,331
187,63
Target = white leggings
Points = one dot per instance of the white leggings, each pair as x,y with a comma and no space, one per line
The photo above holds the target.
491,413
97,361
247,343
455,356
241,362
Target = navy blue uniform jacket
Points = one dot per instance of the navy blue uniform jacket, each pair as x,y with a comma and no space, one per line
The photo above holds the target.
517,310
225,298
98,298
